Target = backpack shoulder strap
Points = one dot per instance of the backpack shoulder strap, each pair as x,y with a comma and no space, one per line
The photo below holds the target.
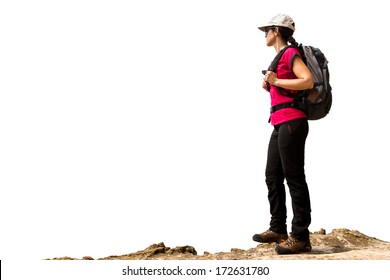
275,62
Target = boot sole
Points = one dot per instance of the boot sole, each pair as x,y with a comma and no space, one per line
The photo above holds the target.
259,239
284,251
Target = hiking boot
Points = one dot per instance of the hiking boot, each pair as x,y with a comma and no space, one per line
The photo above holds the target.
293,246
270,236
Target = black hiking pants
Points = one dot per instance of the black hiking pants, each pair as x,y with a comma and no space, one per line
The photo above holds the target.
286,161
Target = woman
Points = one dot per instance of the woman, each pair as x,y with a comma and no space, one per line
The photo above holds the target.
286,148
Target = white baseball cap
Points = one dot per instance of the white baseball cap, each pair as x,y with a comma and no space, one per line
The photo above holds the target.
280,20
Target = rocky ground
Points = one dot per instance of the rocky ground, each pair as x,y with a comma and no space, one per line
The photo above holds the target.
340,244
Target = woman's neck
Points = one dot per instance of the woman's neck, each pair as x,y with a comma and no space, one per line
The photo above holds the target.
279,45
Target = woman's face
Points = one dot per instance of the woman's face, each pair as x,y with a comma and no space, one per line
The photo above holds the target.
270,36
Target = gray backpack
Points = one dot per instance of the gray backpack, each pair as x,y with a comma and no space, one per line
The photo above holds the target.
316,102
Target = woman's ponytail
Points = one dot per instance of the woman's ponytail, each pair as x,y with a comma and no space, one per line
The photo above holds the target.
292,41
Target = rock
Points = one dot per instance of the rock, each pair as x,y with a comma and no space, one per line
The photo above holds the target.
321,231
183,250
155,249
66,258
343,244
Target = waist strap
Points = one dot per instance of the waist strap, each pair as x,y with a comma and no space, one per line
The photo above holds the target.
291,104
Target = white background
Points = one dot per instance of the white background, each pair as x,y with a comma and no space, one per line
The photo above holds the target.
127,123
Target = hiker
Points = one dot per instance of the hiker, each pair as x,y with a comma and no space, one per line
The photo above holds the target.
286,148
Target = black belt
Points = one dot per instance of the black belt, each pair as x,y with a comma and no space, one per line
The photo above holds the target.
275,108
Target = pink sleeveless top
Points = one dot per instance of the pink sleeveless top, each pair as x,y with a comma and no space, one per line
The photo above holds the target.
284,71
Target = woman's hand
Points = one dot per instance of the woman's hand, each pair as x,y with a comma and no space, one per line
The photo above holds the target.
265,86
271,78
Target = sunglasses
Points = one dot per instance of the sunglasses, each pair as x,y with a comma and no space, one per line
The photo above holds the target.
268,29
